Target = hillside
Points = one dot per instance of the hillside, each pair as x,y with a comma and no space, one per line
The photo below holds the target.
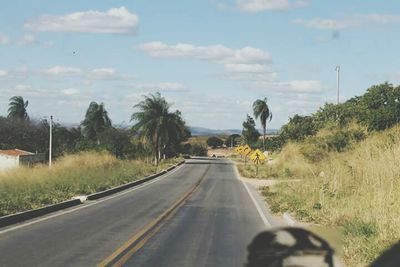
355,191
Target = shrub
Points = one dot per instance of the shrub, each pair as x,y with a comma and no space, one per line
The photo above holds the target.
214,142
198,150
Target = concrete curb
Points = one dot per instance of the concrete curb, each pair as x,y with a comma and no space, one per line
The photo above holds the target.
120,188
289,219
31,214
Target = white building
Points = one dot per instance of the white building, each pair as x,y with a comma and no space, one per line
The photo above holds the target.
16,157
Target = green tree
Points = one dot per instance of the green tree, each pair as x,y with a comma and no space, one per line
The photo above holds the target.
214,141
232,140
117,141
298,128
262,111
380,107
157,125
198,150
249,132
17,108
96,121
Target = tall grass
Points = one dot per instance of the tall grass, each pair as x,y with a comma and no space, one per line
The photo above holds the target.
85,173
356,191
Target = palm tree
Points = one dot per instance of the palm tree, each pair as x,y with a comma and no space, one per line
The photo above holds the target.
17,108
156,124
96,121
262,111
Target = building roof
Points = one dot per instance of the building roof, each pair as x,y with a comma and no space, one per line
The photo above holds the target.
15,152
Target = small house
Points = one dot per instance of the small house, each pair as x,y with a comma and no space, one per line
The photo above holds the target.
15,157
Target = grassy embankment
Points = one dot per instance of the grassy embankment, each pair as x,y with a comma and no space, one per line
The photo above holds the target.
85,173
356,191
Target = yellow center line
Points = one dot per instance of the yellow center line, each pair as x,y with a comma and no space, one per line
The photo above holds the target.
147,231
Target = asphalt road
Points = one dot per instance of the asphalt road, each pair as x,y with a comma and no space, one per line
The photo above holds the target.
211,228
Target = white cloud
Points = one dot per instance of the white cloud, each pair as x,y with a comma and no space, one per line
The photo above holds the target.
102,73
354,21
27,39
246,68
268,5
214,53
237,62
23,87
4,39
70,91
162,86
115,20
3,73
107,74
295,86
18,73
322,24
63,71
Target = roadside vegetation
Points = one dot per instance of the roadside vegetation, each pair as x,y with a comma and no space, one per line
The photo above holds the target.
356,191
91,157
156,132
343,163
83,173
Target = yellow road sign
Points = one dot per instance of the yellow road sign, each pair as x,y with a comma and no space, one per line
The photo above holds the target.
239,149
246,150
257,156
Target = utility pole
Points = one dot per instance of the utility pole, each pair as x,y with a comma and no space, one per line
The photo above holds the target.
337,82
50,141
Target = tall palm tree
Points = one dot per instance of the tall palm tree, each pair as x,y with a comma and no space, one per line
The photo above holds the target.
17,108
156,124
262,111
96,121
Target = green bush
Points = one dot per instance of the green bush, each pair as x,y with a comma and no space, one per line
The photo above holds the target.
198,150
214,142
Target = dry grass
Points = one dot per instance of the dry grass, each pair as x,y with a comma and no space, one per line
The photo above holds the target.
85,173
357,191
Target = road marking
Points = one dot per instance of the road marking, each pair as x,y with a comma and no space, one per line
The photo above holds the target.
259,210
90,204
122,254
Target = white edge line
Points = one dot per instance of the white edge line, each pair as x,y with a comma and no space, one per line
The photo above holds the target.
59,213
260,212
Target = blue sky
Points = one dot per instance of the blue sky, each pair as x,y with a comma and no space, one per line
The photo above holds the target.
212,58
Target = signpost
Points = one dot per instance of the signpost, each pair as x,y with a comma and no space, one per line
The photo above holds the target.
245,152
257,157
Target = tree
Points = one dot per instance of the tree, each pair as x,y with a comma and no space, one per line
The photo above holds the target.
298,128
96,121
198,150
261,110
249,132
380,107
214,142
231,140
117,141
157,125
17,108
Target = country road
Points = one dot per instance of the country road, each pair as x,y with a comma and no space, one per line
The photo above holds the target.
212,227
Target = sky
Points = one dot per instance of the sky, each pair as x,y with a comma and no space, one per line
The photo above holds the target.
211,58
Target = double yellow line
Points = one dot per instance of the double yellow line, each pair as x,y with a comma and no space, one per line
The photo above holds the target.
125,252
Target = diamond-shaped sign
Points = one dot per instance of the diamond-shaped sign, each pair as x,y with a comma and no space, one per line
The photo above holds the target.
257,156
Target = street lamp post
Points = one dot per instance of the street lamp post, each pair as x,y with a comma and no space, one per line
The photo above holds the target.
337,82
50,141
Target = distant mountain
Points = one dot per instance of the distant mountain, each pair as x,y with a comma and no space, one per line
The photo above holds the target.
196,131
